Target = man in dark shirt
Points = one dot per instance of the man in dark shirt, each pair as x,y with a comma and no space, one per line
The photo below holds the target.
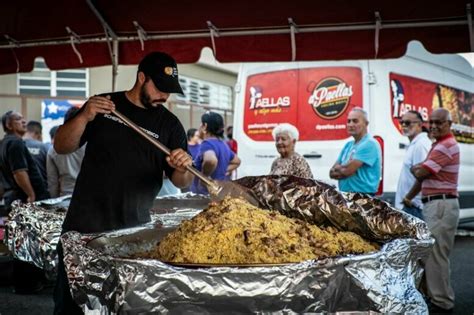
19,169
121,172
22,181
34,142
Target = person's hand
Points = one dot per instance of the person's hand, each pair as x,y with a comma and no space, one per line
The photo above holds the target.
335,171
179,159
31,198
97,105
407,202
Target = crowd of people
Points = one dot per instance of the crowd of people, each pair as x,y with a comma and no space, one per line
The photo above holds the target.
114,175
31,170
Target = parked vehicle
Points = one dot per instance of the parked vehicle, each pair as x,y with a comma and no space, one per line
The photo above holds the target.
316,97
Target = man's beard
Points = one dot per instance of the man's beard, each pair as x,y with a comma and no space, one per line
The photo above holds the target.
146,100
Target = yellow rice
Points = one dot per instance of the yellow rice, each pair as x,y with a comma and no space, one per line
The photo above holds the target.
235,232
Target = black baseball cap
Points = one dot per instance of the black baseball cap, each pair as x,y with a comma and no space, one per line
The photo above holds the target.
162,69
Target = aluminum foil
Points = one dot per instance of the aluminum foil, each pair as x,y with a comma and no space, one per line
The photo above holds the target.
103,278
33,230
171,210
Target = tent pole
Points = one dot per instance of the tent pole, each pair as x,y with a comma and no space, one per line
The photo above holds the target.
230,33
109,34
214,32
115,53
293,31
469,24
101,19
378,26
15,43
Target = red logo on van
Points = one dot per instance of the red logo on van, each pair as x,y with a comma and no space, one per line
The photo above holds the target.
258,100
409,93
294,95
330,97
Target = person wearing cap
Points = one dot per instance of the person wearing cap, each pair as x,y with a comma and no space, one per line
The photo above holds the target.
122,173
215,158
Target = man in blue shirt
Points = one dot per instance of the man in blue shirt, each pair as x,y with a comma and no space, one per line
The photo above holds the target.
358,166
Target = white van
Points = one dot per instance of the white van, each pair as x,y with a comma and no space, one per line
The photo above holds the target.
316,97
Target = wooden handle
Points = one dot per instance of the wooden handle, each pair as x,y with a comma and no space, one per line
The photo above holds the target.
164,149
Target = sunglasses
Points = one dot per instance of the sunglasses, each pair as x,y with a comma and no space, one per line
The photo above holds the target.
437,122
408,122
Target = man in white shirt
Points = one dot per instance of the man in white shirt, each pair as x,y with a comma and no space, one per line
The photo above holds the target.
63,169
407,197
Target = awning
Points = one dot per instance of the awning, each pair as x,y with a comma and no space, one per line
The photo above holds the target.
87,33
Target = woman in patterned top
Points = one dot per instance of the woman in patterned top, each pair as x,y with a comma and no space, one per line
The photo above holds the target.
289,162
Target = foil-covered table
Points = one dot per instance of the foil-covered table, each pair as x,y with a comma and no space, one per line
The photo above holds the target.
104,280
33,229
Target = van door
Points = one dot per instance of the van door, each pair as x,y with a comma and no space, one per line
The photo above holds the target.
315,97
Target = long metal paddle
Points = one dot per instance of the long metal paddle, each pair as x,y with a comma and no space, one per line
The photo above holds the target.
218,190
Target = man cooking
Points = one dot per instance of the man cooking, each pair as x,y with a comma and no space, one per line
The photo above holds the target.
122,173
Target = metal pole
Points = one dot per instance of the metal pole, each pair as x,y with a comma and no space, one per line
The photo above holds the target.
109,33
115,59
101,19
250,32
209,183
469,24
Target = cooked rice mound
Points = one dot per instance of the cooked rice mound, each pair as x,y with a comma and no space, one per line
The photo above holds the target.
235,232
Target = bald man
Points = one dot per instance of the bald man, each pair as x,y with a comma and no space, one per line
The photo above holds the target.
358,166
438,175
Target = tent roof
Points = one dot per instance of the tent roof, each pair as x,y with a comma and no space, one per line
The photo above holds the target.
244,30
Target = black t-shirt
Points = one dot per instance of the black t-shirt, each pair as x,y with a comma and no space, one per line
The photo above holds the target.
122,173
38,151
14,156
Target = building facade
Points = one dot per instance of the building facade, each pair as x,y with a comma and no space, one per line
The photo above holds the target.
207,85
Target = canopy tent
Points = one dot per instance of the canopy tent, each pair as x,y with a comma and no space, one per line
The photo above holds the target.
86,33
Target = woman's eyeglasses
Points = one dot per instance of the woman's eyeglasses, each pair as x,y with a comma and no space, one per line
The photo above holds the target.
408,122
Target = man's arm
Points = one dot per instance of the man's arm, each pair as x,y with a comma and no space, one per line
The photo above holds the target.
415,189
23,180
343,171
209,162
234,163
335,172
420,172
68,136
179,160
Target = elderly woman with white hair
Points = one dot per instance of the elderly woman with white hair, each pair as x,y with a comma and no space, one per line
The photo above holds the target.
289,162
